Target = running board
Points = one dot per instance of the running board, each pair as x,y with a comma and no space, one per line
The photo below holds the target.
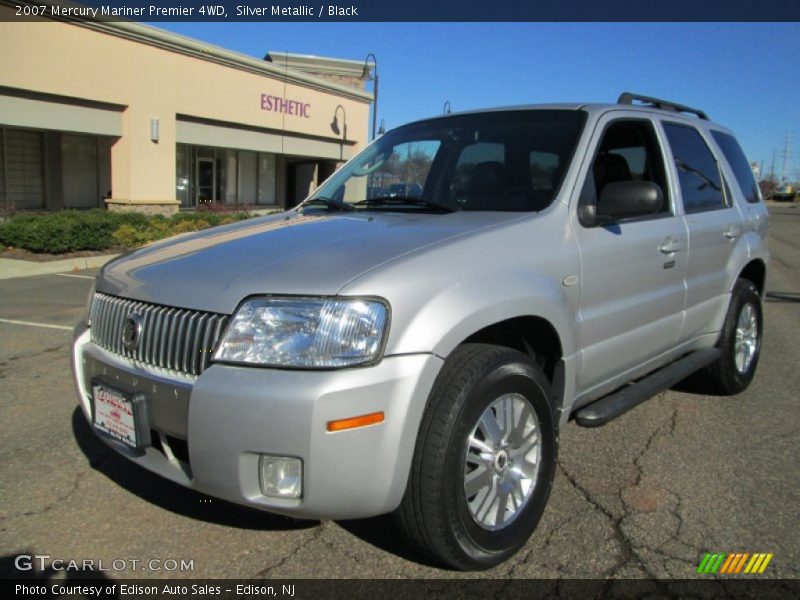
610,407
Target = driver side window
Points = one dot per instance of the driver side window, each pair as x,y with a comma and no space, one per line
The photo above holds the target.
628,151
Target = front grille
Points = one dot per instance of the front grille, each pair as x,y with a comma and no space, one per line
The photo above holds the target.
171,338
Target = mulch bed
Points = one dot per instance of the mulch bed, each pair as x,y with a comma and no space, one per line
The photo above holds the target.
19,254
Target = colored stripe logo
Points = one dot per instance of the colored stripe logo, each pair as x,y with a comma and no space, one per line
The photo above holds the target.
734,564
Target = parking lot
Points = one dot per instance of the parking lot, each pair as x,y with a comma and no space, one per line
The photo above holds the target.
646,495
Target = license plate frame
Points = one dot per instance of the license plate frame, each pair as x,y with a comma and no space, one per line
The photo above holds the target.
120,417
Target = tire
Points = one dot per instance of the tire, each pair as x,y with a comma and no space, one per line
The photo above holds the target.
740,344
465,528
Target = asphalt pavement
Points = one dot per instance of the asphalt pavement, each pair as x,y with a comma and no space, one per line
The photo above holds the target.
645,496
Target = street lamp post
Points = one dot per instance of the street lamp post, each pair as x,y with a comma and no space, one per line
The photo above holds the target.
446,108
366,75
340,130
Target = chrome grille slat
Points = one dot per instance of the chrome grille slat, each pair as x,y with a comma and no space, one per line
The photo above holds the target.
158,317
105,323
163,336
197,339
205,345
116,326
159,324
177,354
188,338
147,325
172,338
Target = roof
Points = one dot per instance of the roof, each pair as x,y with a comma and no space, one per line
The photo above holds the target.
180,44
320,64
593,108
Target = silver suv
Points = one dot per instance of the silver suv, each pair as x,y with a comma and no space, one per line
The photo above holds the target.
418,354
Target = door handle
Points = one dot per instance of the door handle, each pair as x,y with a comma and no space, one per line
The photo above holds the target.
733,232
670,246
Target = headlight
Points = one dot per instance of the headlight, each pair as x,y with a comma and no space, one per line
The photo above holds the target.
305,332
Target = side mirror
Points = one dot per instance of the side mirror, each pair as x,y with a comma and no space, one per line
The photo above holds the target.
622,200
628,199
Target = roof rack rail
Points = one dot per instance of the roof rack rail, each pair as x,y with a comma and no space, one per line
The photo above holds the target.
628,98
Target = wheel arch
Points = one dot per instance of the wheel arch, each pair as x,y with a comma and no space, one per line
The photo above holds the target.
531,335
756,272
539,339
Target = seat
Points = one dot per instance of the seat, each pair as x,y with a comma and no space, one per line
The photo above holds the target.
486,179
609,168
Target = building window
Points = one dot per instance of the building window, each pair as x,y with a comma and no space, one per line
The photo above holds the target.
86,168
183,174
224,175
24,169
3,204
267,179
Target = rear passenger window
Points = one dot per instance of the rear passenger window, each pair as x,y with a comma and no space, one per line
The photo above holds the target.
698,172
738,162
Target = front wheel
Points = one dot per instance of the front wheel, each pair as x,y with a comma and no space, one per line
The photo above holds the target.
739,341
484,460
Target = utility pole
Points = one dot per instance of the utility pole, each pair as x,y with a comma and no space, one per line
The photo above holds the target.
772,168
787,152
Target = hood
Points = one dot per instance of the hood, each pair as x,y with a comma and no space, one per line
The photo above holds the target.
287,253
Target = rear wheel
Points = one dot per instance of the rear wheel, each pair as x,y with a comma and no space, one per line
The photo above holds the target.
740,342
484,460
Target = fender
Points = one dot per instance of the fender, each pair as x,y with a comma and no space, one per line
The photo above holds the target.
442,295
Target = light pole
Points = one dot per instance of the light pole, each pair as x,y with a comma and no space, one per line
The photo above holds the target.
374,77
337,130
446,108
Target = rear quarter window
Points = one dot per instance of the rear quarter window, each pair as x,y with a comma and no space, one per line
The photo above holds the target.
738,162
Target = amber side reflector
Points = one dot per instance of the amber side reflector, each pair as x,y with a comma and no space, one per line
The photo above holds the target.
354,422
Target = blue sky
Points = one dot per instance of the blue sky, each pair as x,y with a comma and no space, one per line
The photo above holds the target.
744,75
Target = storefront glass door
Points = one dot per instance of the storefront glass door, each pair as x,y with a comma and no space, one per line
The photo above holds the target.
206,189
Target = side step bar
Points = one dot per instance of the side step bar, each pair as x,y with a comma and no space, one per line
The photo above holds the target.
610,407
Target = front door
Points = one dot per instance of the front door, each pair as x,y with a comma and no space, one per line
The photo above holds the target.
632,275
206,189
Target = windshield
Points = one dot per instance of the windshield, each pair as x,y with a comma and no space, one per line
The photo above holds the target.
495,161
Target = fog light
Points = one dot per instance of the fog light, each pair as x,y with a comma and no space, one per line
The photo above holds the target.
281,476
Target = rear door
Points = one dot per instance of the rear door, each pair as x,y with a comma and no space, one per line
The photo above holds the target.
714,225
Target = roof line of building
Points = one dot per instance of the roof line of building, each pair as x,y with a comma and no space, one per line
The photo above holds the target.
321,64
174,42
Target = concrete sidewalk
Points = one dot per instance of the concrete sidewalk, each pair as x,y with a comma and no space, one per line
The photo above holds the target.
10,268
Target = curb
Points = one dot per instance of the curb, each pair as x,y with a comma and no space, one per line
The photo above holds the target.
12,268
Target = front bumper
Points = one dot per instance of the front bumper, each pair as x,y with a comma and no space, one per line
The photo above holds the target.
209,431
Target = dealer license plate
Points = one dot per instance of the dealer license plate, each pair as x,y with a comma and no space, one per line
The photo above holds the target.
116,413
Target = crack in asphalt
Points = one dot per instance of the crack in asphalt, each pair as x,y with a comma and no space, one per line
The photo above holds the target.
626,547
630,549
61,499
55,503
532,553
313,537
6,363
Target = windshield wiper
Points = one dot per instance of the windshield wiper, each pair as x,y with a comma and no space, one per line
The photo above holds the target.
327,203
400,201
